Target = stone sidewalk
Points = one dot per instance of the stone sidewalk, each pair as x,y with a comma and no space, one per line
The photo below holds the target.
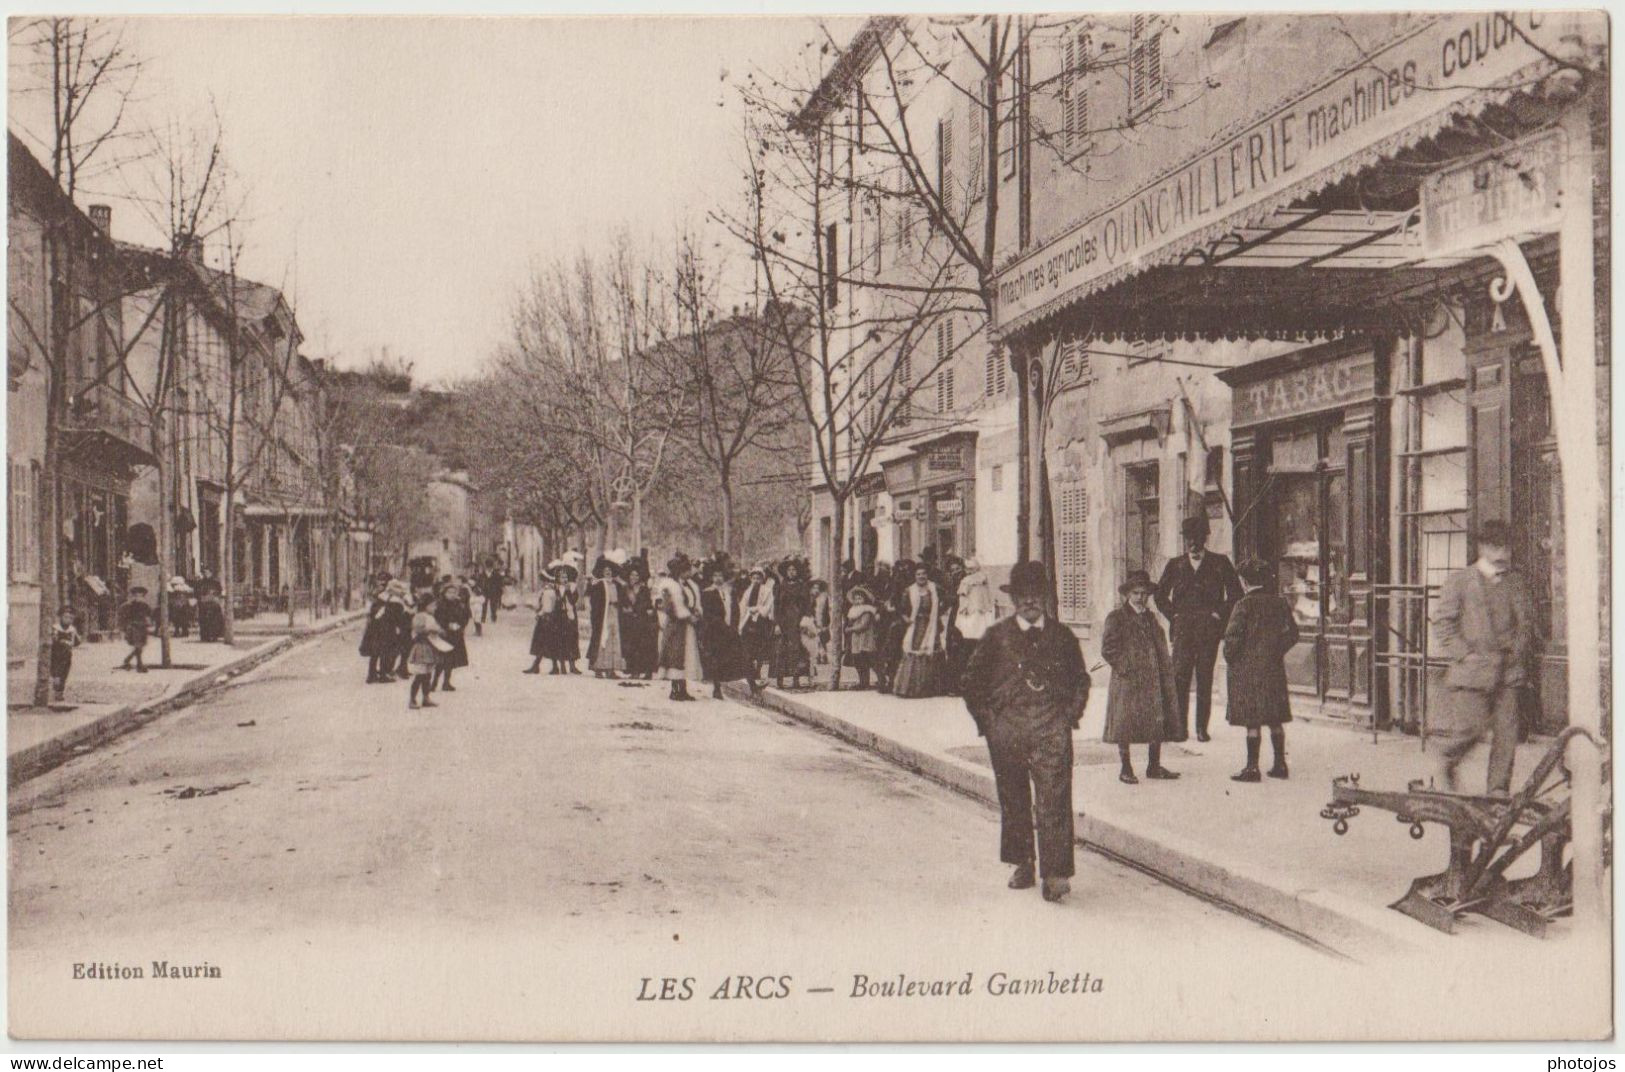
103,701
1262,848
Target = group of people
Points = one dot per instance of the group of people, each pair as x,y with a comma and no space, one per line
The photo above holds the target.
913,625
419,637
703,621
1026,686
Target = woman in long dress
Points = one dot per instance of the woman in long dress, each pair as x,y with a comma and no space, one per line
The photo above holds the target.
920,668
378,638
453,614
541,633
639,622
604,654
679,603
722,656
756,623
566,625
791,603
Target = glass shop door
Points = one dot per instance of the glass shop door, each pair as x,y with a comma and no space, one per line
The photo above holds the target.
1305,532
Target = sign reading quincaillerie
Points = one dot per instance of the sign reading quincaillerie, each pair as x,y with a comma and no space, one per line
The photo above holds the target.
1509,192
1445,59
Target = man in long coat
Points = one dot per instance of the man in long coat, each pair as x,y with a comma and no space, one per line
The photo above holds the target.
1486,628
1026,687
1195,594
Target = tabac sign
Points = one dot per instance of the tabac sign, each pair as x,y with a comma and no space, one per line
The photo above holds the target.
1440,62
1501,194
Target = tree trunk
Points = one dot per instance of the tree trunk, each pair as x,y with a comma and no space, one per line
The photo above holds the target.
49,537
166,540
290,571
837,597
727,513
228,558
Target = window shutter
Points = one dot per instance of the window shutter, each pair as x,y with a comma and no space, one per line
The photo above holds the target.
978,113
1073,567
832,266
904,383
1146,85
1080,93
1069,65
945,164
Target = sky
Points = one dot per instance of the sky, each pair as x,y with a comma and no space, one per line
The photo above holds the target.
403,175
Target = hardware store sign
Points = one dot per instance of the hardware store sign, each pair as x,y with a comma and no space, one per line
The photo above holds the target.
1444,60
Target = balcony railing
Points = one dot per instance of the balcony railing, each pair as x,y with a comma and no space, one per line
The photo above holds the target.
100,411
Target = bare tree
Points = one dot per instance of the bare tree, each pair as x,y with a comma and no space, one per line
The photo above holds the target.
186,204
735,373
241,402
856,373
584,333
84,70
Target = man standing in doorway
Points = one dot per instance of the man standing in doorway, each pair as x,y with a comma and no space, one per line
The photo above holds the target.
1486,628
1026,687
1195,594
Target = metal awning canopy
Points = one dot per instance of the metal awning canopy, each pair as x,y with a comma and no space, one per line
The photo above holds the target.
1320,238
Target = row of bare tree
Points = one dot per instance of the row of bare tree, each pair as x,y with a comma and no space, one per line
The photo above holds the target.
146,311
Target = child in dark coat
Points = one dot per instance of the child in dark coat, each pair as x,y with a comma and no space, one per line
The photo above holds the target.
1261,632
135,618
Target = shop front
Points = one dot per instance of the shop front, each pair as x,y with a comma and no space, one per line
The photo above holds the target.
1413,260
1309,460
933,491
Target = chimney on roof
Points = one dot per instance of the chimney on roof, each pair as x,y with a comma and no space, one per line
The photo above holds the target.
102,217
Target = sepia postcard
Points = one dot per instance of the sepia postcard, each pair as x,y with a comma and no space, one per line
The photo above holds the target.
1058,527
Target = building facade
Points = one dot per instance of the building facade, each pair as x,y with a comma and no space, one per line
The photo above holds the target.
1286,307
940,474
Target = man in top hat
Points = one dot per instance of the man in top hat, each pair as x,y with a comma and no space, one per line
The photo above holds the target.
1195,594
1026,687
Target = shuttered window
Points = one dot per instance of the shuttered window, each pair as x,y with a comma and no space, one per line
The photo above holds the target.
1147,86
1074,362
1074,132
945,375
977,126
1072,551
945,164
1008,108
903,375
997,374
22,502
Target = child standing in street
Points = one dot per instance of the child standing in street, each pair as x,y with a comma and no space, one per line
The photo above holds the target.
861,620
425,655
135,618
64,638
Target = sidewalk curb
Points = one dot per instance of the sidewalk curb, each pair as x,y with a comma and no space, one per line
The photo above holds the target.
31,762
1336,924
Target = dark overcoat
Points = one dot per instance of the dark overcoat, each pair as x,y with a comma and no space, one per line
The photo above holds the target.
1141,707
1260,633
380,639
721,654
1030,678
453,616
639,629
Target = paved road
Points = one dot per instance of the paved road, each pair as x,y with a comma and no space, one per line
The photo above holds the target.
302,807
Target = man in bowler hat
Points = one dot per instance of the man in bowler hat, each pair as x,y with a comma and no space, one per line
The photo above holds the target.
1195,594
1026,687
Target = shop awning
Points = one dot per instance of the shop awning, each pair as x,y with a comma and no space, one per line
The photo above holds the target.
1274,196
